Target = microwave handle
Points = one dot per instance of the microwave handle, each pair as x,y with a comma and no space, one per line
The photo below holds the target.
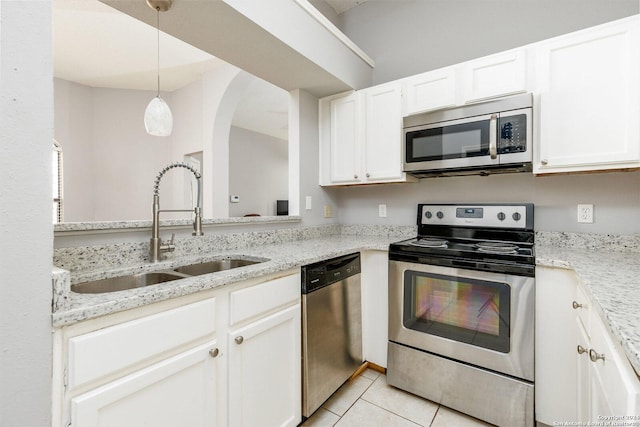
493,136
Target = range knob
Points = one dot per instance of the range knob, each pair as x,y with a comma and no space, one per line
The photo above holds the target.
516,216
440,215
428,214
501,216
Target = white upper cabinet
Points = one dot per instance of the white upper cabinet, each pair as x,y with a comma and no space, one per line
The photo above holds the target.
383,133
497,75
361,137
430,91
344,146
589,102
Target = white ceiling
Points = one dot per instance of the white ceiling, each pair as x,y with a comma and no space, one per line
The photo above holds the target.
98,46
343,5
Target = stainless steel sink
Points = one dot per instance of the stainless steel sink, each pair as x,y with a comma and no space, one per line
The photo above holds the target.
145,279
214,266
122,283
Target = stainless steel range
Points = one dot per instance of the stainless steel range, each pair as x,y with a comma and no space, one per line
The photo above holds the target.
461,310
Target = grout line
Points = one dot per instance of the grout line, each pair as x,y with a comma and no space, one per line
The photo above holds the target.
435,415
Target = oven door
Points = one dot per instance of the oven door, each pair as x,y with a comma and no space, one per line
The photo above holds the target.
484,319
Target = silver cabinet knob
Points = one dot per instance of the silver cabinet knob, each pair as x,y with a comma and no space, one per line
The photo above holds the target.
368,175
239,340
577,305
544,162
594,356
581,349
355,176
214,352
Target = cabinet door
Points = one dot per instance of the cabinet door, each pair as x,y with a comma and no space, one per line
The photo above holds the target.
589,99
345,140
180,391
383,133
265,371
583,382
493,76
430,91
555,373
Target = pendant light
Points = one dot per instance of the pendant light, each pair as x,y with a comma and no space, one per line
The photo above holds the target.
158,119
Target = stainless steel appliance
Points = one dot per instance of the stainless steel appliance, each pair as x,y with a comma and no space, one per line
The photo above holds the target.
331,328
482,138
461,310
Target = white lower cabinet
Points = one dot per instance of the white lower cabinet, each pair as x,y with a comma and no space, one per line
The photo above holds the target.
179,391
582,374
229,357
264,368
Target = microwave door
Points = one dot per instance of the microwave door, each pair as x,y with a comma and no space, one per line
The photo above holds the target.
452,144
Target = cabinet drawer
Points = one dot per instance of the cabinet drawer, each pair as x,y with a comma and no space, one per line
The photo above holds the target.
104,352
259,299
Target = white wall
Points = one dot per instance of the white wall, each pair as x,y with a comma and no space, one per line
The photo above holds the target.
413,36
110,161
26,123
616,197
258,172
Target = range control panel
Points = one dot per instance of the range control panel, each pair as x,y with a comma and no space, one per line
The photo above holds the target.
480,215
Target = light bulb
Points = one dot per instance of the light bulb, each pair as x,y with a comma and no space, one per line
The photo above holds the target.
158,120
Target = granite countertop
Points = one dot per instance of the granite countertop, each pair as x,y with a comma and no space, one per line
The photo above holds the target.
611,280
70,307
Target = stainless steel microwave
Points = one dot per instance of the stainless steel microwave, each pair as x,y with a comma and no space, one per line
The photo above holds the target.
483,138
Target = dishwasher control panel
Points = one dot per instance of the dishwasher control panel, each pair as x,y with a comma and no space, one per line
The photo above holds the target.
323,273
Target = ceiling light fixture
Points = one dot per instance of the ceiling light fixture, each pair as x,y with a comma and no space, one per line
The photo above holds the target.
158,119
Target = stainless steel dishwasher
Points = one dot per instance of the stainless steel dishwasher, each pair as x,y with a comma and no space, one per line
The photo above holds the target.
331,328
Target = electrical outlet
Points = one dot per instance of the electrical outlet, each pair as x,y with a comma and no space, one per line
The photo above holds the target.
328,211
585,213
382,211
307,203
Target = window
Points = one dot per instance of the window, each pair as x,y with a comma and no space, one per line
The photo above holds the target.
57,182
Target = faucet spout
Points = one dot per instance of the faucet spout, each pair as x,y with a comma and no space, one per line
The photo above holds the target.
156,247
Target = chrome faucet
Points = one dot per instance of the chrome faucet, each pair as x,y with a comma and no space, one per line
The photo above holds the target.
156,247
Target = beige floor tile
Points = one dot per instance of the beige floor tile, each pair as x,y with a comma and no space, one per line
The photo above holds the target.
363,413
371,374
321,418
346,396
406,405
449,418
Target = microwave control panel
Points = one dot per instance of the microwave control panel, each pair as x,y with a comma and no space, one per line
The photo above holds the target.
513,134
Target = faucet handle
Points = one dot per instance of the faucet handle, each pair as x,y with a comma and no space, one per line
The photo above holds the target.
169,247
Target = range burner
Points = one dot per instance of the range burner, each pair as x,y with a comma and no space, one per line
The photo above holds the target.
497,247
430,242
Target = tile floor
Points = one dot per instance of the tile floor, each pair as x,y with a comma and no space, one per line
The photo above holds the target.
368,401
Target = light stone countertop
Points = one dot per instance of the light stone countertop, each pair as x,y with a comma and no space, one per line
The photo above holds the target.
281,257
611,280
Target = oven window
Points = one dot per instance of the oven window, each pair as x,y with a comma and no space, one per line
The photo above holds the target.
449,142
471,311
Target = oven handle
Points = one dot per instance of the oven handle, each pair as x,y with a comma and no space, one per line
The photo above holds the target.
493,136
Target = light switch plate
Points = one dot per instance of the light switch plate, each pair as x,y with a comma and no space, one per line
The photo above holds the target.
307,203
382,211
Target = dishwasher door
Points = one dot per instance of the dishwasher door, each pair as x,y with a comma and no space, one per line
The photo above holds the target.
331,328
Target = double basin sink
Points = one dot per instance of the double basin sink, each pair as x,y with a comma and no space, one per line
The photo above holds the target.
140,280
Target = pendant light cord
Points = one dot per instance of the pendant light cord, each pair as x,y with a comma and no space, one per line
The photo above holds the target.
158,41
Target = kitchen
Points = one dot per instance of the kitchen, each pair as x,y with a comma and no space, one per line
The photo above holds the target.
29,234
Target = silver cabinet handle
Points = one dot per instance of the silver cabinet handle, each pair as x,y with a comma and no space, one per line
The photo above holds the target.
214,352
493,136
594,356
544,162
581,349
576,305
239,340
